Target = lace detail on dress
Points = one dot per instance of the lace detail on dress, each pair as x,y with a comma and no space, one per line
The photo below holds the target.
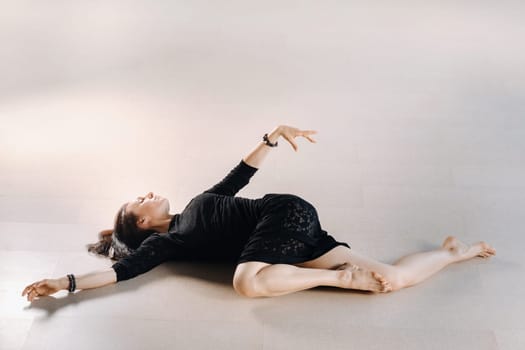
301,217
299,231
284,246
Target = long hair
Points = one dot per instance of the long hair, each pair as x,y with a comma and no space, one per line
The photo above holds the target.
123,239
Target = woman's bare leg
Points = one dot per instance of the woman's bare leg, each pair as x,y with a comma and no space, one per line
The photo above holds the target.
354,270
408,270
261,279
420,266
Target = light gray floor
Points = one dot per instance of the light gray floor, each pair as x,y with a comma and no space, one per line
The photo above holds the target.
419,108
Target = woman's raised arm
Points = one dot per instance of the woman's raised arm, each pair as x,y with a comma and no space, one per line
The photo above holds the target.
88,280
257,155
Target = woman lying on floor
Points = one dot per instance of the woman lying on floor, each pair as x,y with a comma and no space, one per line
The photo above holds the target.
276,241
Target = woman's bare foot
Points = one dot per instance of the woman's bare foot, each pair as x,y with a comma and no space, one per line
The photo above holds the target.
354,277
464,252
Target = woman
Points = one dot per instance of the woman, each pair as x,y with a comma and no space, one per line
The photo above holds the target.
276,241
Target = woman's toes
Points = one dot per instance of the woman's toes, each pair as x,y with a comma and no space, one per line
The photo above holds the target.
385,287
486,254
486,250
384,284
354,267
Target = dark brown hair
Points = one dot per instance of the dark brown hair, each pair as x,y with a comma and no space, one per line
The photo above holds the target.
125,237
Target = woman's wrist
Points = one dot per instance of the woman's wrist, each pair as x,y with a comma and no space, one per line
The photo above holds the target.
63,282
275,134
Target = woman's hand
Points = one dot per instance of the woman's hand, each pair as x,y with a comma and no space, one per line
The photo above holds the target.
289,133
42,288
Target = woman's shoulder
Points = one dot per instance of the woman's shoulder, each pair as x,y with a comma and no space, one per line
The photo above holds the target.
158,238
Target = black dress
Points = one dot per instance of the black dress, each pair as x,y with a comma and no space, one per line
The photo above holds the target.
216,225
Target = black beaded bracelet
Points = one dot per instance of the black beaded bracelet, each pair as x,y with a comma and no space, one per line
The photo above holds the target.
72,283
267,141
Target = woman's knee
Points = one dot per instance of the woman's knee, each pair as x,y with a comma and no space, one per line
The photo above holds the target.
244,279
245,286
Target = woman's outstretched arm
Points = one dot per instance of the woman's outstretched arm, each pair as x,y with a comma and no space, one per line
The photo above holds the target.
92,279
88,280
257,155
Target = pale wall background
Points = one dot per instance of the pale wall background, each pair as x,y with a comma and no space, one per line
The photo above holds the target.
419,108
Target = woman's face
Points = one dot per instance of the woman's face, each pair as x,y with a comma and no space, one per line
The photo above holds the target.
149,209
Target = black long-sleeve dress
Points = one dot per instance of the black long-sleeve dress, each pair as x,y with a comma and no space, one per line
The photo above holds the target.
216,225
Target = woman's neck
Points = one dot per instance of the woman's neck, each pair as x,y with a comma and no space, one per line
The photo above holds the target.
163,225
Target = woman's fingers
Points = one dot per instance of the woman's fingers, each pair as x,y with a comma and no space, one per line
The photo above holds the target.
27,289
292,142
32,290
310,132
31,294
290,133
306,133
